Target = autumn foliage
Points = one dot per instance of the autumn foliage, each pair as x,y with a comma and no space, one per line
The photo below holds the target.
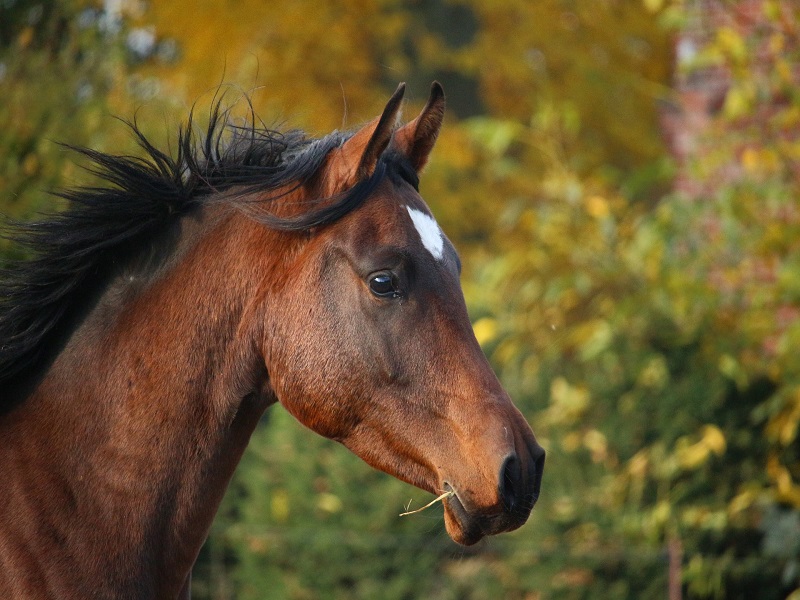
622,182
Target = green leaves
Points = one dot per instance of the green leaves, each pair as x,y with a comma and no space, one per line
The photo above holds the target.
649,337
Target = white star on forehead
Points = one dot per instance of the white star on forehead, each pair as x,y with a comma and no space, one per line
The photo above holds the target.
429,232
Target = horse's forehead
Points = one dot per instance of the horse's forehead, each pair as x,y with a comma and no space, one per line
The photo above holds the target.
430,234
401,218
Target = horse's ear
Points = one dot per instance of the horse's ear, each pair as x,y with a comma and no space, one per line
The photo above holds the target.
365,147
416,139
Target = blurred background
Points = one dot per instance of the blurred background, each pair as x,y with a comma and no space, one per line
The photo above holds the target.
621,180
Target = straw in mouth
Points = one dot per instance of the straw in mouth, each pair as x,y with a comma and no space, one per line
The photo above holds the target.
428,505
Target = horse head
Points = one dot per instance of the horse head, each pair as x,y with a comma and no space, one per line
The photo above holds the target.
369,342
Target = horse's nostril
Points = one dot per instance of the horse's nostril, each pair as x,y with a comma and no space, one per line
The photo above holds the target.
509,482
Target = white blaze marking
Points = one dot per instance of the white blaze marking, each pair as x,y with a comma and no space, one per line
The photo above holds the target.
429,232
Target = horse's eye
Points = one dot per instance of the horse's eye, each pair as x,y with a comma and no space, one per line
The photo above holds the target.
383,285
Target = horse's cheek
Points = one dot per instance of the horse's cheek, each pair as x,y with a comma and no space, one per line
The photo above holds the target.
316,391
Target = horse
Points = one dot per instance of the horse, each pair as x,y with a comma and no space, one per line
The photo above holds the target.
152,322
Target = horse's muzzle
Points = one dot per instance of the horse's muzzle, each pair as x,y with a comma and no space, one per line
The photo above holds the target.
519,483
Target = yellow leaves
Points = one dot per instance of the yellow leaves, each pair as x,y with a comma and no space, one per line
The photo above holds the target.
30,165
731,43
485,330
453,143
564,185
592,337
644,254
691,456
714,439
731,368
597,444
494,134
592,440
507,351
568,403
772,9
742,502
704,518
784,70
571,441
760,161
597,206
638,465
689,453
738,102
653,6
279,505
749,159
776,43
782,427
316,71
25,38
661,514
564,64
785,489
564,508
655,374
329,503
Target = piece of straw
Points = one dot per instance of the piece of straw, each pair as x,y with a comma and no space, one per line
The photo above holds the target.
428,505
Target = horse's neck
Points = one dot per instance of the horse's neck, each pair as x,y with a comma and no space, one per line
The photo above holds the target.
116,464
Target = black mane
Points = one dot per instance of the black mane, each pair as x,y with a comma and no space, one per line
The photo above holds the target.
141,197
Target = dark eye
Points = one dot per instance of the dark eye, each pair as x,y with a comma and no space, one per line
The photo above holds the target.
383,285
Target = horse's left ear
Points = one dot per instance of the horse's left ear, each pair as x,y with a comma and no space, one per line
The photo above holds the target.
416,138
358,156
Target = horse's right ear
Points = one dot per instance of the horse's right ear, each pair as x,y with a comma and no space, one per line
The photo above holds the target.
358,156
416,138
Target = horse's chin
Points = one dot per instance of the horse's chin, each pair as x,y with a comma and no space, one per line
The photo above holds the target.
466,535
461,526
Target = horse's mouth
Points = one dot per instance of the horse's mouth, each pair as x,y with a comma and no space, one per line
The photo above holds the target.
467,527
461,526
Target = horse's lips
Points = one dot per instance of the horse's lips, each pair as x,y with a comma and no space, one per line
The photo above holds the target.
462,527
